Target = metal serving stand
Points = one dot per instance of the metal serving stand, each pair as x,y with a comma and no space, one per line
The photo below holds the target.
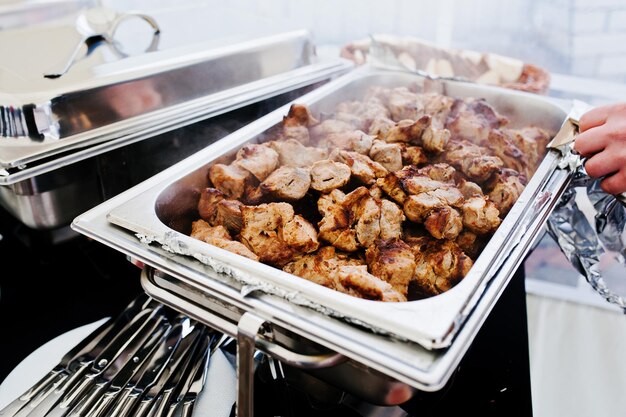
391,369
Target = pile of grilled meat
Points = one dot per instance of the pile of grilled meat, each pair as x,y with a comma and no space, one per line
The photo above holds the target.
390,198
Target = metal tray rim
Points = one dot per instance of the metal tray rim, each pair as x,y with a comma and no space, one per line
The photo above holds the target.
443,331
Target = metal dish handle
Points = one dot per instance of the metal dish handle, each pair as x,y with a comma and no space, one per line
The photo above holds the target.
223,325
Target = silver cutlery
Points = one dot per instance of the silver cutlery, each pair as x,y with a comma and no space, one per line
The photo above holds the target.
83,352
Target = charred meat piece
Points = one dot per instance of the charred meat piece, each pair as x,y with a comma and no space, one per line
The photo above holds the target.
469,189
297,122
391,218
353,220
367,285
392,186
403,104
292,153
441,220
322,267
471,243
388,155
520,150
444,223
217,210
275,234
287,183
336,224
229,179
259,160
362,111
353,140
361,166
393,261
380,127
472,120
328,175
504,149
207,204
219,236
299,115
480,215
506,187
413,155
439,172
419,132
329,126
413,182
475,161
532,141
440,264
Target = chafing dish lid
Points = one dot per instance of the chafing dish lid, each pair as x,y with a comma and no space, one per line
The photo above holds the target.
105,94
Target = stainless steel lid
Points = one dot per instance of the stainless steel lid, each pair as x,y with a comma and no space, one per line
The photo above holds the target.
109,96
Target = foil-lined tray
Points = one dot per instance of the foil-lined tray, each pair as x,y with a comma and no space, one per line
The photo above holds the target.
418,342
106,98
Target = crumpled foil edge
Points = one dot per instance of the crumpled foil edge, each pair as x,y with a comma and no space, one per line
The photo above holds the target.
583,243
172,243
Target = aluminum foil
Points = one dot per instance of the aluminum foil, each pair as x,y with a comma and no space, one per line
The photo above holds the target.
584,240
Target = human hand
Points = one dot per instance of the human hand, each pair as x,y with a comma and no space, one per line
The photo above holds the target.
603,141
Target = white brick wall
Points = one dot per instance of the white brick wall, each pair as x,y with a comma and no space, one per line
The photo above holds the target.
584,67
617,21
612,66
595,4
586,21
598,44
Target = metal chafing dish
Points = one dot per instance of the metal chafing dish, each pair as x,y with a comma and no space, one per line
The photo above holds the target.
53,131
398,347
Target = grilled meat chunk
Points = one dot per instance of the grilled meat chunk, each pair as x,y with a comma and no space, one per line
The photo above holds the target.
322,267
353,220
367,285
471,243
413,155
361,166
475,161
472,120
440,264
287,183
480,215
506,187
207,204
292,153
217,210
393,261
391,218
327,175
219,236
229,179
389,155
350,140
439,172
327,127
275,234
519,149
259,160
380,127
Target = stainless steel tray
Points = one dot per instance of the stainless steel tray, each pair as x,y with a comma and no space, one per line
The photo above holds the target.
394,338
43,117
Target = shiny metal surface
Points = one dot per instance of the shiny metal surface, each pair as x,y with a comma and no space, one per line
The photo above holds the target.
54,198
137,96
446,323
97,26
50,192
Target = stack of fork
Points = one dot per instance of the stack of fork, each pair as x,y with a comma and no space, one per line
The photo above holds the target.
149,361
